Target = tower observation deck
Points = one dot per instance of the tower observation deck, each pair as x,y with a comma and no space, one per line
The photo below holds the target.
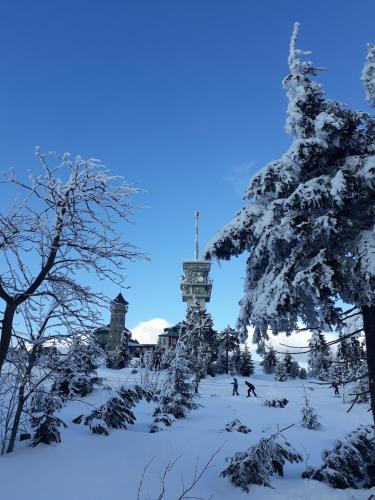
195,282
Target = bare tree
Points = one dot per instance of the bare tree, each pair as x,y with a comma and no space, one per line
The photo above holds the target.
61,222
45,321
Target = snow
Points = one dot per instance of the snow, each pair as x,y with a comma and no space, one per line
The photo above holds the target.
95,467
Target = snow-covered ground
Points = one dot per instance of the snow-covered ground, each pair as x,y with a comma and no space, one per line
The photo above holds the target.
94,467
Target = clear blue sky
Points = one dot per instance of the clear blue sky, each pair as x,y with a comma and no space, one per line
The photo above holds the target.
182,98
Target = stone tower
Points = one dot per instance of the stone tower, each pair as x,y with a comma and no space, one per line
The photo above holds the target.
119,307
195,282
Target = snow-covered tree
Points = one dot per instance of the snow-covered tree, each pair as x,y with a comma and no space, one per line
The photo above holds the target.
119,357
62,221
319,357
309,224
346,465
310,419
246,368
260,462
280,373
44,423
302,373
75,373
116,413
200,341
177,395
368,75
228,342
270,361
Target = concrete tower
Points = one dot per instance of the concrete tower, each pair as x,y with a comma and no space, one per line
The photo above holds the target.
195,283
119,307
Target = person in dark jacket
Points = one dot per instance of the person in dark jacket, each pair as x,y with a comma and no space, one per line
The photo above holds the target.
250,389
235,387
335,386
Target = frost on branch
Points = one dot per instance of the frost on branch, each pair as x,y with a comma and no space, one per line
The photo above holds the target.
346,465
368,75
308,226
260,462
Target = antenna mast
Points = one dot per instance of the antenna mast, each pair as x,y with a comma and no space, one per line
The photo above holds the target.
196,234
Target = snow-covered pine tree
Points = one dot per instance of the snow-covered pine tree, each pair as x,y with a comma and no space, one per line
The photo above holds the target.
116,413
270,361
119,357
260,462
309,225
280,372
319,357
44,423
76,373
302,373
310,419
346,465
291,366
177,396
246,363
200,341
368,75
228,342
294,369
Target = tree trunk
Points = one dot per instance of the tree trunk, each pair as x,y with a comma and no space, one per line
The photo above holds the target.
368,313
6,332
17,417
226,361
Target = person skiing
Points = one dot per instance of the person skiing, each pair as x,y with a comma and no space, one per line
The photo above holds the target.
250,389
235,387
335,386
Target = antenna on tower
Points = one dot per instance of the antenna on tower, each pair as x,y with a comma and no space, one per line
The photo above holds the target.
196,234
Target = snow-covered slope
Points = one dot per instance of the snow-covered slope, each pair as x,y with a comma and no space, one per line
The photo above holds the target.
94,467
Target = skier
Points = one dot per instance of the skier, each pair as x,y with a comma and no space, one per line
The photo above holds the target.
335,386
235,387
250,389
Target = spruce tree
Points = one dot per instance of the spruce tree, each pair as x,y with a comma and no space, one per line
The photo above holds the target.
199,341
319,359
228,342
309,225
246,363
177,395
280,372
270,361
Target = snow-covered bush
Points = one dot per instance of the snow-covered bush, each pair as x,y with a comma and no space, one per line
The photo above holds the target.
161,421
346,465
257,464
116,413
237,426
276,403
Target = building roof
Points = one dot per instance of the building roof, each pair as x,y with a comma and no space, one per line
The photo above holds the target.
120,299
174,331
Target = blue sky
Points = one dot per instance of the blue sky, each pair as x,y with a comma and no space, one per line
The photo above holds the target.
182,98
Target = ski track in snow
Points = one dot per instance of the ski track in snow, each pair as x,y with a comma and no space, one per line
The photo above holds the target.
94,467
